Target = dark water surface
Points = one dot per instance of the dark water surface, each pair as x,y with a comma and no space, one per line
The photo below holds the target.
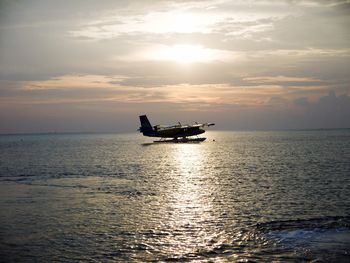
247,196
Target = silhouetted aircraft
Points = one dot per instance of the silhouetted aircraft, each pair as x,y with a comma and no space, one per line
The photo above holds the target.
178,132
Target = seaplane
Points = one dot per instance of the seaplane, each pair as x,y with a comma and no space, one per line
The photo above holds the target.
177,133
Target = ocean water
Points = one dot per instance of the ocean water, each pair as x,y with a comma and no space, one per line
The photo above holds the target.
237,197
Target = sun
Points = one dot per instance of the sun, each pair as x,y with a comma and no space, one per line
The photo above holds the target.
185,54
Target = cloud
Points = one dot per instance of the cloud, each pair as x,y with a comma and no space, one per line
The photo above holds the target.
274,57
285,81
334,103
75,82
329,111
302,101
100,88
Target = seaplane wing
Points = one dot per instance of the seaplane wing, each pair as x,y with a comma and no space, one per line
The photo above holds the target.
208,124
174,131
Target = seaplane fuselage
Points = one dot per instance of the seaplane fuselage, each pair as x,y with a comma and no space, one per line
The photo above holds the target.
175,131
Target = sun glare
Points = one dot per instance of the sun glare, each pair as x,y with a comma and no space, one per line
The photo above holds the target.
185,54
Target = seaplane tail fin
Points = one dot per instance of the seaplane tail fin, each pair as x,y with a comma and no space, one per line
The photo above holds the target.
145,124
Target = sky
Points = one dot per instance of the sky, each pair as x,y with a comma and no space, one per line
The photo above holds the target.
95,66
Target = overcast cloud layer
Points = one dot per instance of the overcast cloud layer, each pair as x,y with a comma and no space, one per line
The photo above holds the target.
71,66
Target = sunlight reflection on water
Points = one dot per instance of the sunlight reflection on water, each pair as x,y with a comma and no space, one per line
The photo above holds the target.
189,200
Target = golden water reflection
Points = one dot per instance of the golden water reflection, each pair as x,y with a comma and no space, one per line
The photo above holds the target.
190,205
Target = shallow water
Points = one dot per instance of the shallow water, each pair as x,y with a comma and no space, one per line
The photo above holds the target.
257,196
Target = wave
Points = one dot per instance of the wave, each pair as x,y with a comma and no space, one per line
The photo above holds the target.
325,239
328,222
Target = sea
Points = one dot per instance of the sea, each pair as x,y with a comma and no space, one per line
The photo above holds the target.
258,196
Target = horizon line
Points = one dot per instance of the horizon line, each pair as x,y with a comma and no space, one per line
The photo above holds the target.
116,132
